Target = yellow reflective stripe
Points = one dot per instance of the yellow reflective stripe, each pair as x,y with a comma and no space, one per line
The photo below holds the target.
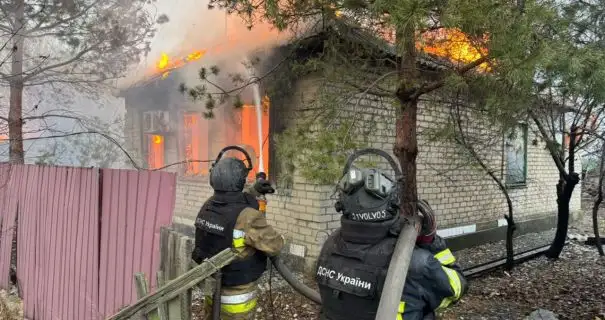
235,308
444,304
240,307
445,257
454,282
238,298
400,310
401,307
238,238
238,243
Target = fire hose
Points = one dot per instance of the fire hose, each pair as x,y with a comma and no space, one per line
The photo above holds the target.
292,281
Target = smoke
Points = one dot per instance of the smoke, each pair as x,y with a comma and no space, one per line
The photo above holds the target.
192,27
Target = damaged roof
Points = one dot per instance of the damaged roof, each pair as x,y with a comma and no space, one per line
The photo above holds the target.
348,31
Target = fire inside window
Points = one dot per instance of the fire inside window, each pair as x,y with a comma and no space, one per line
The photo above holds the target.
250,134
196,143
155,157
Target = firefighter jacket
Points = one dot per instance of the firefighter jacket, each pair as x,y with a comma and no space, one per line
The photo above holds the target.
232,219
353,264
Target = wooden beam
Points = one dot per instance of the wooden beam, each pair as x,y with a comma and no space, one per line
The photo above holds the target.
142,288
179,285
162,307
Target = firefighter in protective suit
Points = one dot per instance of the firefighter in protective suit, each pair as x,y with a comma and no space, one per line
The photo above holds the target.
230,218
354,260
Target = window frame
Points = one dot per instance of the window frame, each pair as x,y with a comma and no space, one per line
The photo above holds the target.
524,126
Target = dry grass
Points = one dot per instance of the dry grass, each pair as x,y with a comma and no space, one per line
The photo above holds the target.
9,310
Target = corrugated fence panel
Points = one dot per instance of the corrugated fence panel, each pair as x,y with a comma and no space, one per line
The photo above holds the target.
28,237
58,222
130,244
80,242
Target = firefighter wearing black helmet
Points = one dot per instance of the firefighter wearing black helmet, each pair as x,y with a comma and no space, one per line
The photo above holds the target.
230,218
354,260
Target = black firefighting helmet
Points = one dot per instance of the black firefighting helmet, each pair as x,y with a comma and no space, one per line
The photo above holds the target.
368,195
229,174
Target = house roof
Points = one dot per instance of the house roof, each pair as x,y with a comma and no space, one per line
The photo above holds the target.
344,28
348,30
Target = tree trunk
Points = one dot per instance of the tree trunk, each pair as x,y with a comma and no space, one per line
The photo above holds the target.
597,204
510,230
595,222
565,187
595,226
406,150
15,113
564,192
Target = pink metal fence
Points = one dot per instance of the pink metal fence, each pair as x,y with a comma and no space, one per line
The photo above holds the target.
82,234
135,206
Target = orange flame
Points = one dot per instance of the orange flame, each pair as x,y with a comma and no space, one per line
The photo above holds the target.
454,45
165,64
157,139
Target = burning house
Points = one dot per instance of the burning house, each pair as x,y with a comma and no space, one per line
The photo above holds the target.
165,127
167,130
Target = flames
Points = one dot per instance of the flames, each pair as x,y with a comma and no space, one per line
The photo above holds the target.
165,64
155,147
454,45
157,139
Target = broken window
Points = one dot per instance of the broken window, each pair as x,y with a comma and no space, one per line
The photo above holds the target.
516,156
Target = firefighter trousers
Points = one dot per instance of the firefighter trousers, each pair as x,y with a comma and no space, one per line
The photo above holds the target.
237,303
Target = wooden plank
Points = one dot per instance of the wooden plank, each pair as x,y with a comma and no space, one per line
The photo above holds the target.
174,305
164,234
142,288
162,307
170,270
186,246
179,285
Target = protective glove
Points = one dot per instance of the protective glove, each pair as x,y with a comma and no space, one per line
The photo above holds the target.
429,227
263,186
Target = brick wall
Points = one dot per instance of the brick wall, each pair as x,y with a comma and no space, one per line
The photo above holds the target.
464,197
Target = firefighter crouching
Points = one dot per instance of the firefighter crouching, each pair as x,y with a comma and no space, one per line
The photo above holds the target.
354,260
230,218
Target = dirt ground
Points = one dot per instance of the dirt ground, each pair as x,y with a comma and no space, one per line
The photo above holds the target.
571,287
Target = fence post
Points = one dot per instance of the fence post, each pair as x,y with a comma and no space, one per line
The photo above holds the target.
175,261
162,307
142,287
184,260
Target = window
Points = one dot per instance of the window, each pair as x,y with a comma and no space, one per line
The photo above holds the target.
516,156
